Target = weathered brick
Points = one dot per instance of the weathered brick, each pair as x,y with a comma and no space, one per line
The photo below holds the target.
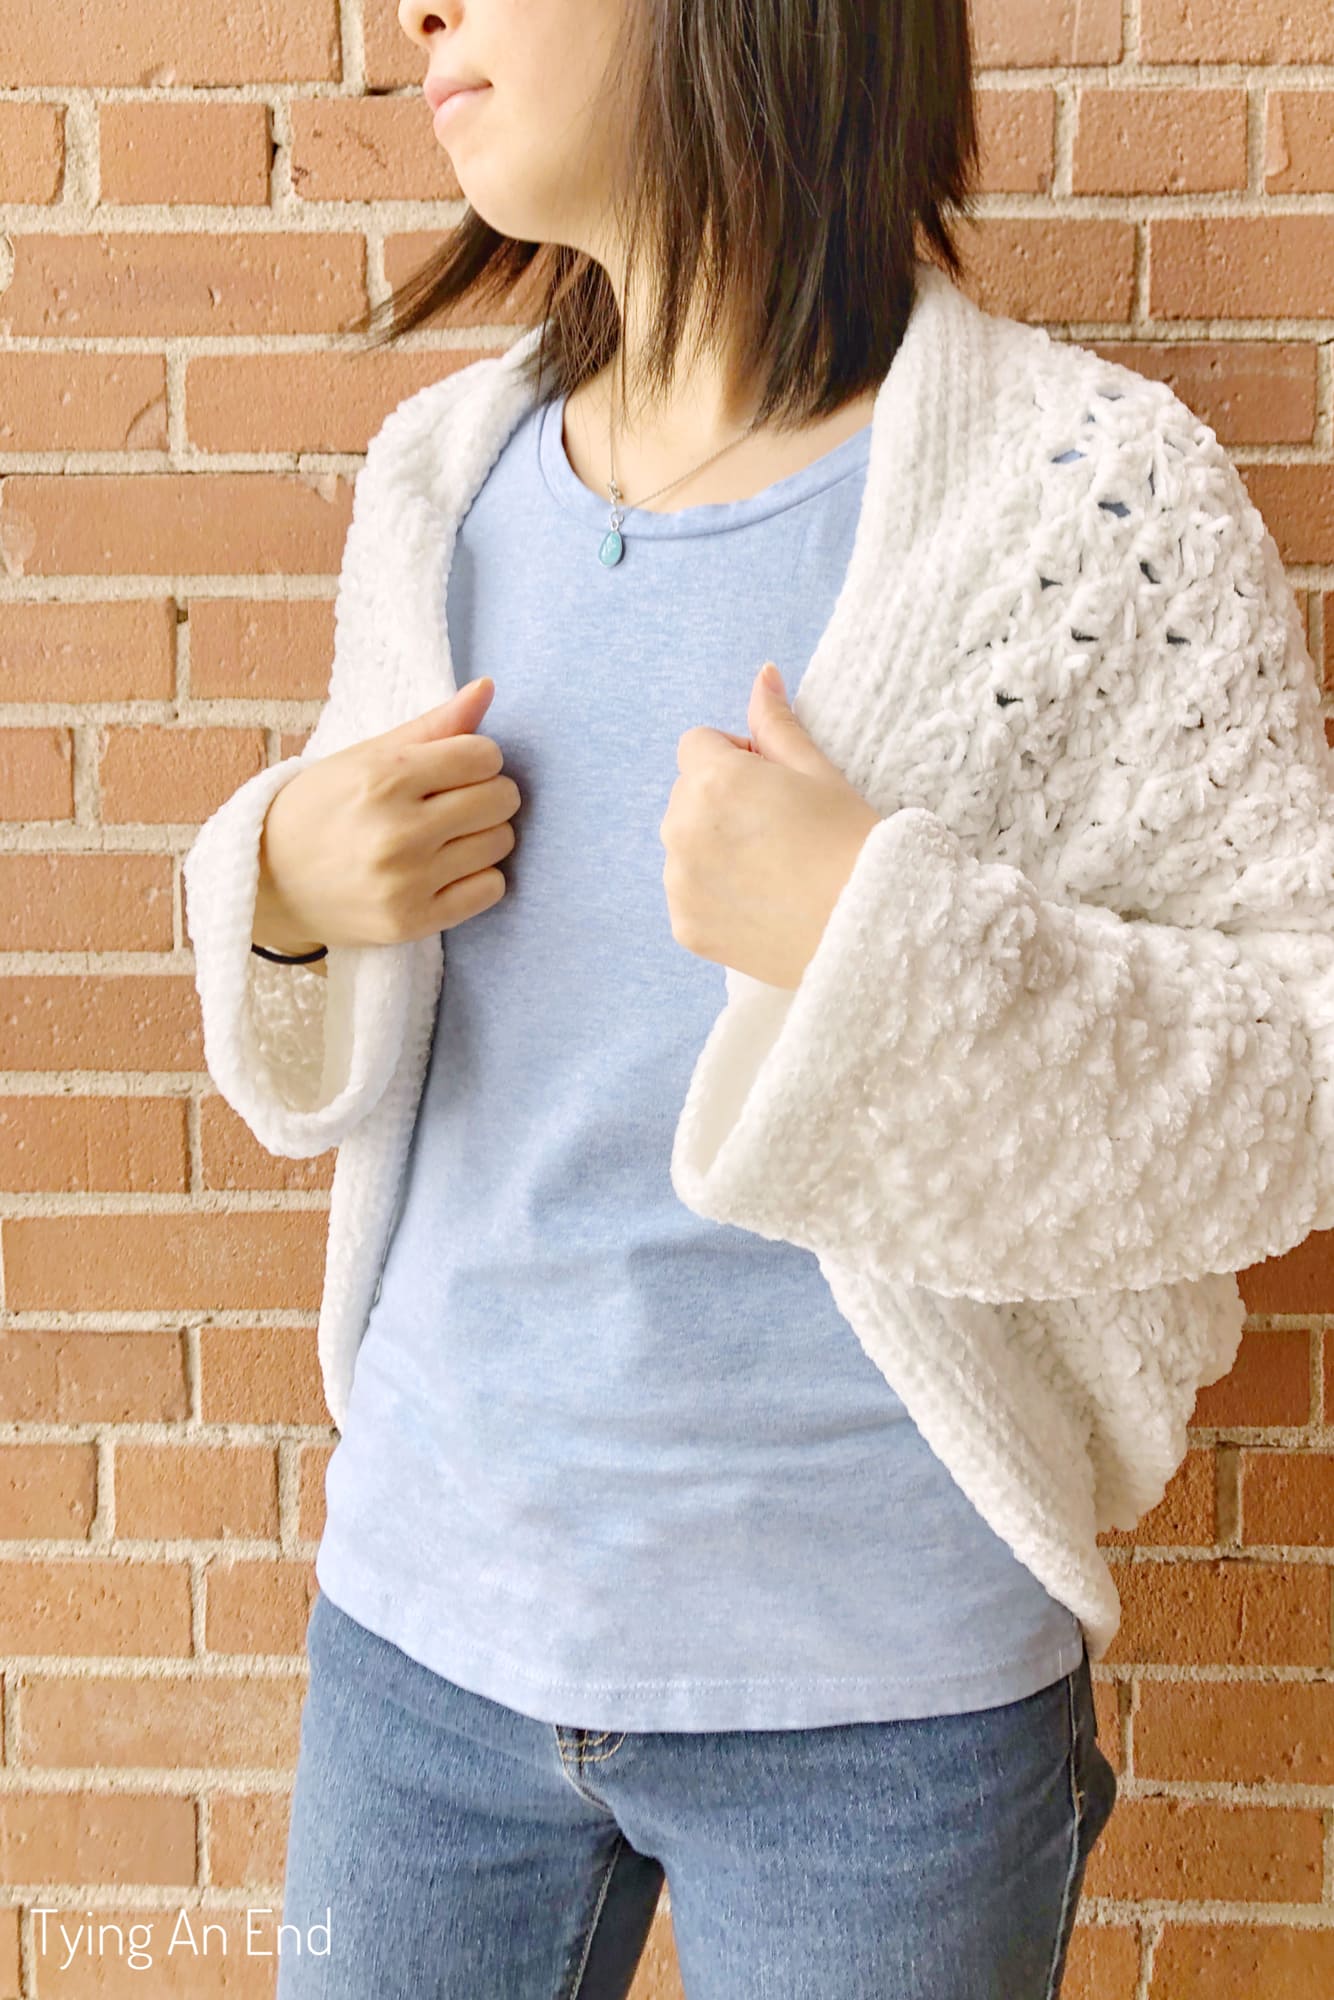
155,44
205,154
167,282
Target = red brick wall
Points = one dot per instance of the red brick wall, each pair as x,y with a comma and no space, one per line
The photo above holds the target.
191,216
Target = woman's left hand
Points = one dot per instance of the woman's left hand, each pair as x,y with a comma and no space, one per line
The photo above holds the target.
759,846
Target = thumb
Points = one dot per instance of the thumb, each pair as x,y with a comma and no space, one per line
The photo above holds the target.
775,730
458,716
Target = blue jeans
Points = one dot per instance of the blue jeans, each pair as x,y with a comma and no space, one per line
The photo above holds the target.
456,1847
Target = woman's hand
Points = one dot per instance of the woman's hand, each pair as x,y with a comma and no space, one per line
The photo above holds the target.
758,846
394,838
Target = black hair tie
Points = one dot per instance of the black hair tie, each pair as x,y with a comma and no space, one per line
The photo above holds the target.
281,958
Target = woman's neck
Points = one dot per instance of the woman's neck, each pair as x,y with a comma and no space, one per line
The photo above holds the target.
685,429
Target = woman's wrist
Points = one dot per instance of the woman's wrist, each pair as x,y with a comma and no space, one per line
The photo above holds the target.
269,932
274,922
272,929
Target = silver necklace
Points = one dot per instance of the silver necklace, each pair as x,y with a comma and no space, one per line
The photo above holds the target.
613,542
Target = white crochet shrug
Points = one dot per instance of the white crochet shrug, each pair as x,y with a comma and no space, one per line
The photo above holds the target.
1063,1061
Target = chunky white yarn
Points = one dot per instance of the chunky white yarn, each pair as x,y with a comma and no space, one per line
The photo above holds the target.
1063,1061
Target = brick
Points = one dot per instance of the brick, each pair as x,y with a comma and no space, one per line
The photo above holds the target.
83,1145
85,902
1247,31
69,401
1102,1962
63,1376
206,1491
47,1490
1228,1612
126,1021
1050,268
1238,1961
165,776
248,1839
1241,266
391,60
260,1375
1159,141
175,1723
130,44
115,1838
1247,391
1017,136
1302,1280
260,649
306,402
1188,1850
1235,1732
10,1921
168,523
1045,33
368,149
658,1976
312,1466
36,773
1269,1383
1299,141
1186,1514
165,153
169,282
258,1607
90,1606
1287,1497
165,1262
32,152
85,652
232,1157
1297,502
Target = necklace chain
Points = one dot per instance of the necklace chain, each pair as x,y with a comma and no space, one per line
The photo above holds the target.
613,543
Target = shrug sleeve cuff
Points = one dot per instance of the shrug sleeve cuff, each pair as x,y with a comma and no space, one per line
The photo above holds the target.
1004,1097
300,1056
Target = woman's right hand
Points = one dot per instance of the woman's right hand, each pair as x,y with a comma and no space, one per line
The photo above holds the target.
394,838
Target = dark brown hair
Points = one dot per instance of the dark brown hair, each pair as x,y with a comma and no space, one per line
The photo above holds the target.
794,156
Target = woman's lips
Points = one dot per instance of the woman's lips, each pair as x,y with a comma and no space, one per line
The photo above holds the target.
454,102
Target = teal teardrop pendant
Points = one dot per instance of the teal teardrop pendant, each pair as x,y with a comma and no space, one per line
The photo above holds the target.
612,547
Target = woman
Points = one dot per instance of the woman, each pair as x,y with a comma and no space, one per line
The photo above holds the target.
717,1484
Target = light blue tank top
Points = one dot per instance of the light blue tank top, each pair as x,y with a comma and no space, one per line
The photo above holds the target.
605,1461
